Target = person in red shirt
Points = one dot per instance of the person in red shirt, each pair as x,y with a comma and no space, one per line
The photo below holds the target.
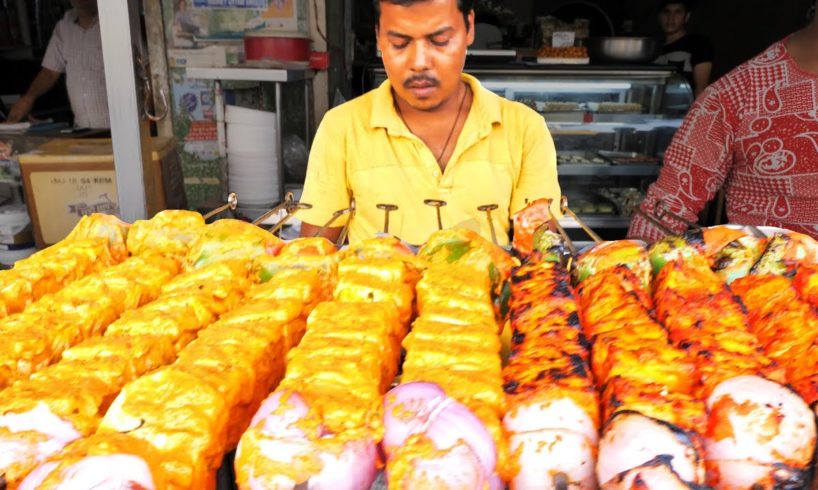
754,132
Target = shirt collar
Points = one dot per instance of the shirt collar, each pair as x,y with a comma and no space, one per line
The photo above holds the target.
74,16
485,106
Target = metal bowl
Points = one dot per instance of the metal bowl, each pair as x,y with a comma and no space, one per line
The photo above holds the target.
623,49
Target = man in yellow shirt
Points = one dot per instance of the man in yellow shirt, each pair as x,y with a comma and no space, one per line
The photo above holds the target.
430,132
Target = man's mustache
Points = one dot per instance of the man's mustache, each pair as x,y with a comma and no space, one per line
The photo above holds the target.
421,79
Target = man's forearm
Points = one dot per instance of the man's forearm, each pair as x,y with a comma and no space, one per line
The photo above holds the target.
43,82
331,234
701,77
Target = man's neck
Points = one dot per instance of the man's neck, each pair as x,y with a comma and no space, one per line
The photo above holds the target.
86,18
810,33
672,38
803,47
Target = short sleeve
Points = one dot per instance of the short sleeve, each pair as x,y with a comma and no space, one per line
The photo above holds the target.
54,58
702,51
325,187
538,169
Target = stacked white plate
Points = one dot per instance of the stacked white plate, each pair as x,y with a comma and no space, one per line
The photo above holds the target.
252,156
9,256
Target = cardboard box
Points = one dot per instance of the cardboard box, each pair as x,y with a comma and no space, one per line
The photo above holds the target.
66,179
209,57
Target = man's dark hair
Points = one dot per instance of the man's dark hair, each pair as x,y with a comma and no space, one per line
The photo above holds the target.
689,5
465,7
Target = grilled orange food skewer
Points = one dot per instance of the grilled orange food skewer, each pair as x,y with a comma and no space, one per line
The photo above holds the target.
739,382
787,327
322,425
70,397
806,283
218,380
649,404
553,409
442,423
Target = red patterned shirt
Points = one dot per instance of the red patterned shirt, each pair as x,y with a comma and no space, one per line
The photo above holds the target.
755,132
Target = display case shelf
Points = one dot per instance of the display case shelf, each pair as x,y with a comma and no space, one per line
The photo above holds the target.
593,111
604,170
597,221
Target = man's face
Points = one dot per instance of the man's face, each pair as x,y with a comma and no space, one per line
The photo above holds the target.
673,18
424,50
89,5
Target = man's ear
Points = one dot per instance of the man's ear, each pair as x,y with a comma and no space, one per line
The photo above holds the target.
687,17
470,28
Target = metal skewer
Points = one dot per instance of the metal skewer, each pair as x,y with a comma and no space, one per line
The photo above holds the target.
386,208
294,208
290,205
566,210
345,230
661,210
756,232
655,222
232,202
561,230
333,219
288,199
561,481
337,214
488,208
437,204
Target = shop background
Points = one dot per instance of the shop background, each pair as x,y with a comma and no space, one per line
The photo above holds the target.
739,29
195,24
20,57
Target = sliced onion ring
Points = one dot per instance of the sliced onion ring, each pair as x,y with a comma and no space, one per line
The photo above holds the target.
423,408
279,413
407,409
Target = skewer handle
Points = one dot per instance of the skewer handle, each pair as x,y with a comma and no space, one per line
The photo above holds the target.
587,229
283,205
291,210
661,209
232,203
561,230
437,204
334,218
345,230
655,222
488,208
386,208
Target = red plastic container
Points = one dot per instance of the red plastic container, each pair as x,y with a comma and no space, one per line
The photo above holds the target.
319,60
277,46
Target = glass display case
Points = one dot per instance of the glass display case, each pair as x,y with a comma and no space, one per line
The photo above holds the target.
610,125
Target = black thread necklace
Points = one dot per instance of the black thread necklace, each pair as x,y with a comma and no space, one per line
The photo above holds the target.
451,131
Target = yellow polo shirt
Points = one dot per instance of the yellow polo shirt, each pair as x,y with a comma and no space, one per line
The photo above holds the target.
363,149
